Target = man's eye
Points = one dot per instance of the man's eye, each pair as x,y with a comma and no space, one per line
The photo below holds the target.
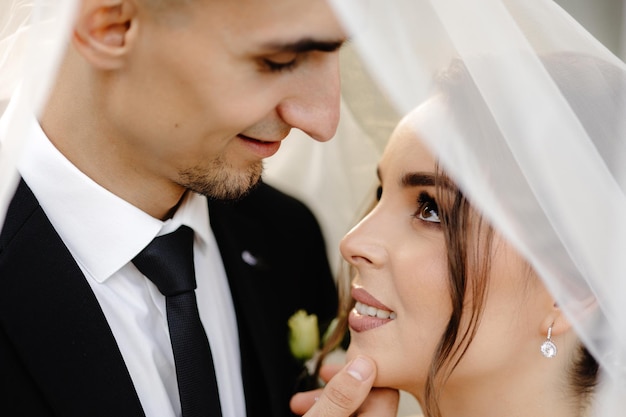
427,209
281,62
379,192
280,66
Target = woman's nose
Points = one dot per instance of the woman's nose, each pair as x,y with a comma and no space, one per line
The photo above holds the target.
363,245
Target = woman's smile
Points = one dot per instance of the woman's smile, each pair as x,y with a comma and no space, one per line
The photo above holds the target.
368,313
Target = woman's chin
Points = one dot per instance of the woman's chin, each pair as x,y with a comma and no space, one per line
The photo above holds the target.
387,376
353,352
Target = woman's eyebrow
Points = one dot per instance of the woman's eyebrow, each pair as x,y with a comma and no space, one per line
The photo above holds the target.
418,179
426,179
421,179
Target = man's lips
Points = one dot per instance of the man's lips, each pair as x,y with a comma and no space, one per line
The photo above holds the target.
368,313
261,148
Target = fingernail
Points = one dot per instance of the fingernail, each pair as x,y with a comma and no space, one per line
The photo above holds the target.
360,369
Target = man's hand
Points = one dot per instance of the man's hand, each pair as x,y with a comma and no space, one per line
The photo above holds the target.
348,393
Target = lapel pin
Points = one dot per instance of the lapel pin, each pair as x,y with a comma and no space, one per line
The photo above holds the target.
253,260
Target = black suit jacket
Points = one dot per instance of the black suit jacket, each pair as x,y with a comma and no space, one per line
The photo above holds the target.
58,356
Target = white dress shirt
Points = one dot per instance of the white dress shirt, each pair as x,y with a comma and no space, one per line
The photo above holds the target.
104,233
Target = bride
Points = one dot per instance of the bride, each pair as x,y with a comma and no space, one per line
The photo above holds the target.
514,303
501,291
446,306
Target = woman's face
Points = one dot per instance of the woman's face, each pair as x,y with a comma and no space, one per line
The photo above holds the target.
401,284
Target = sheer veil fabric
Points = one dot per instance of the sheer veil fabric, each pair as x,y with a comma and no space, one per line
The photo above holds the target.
33,35
538,143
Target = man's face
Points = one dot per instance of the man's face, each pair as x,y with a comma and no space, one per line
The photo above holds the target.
212,87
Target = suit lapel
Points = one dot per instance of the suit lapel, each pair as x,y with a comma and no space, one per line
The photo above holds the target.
54,321
247,276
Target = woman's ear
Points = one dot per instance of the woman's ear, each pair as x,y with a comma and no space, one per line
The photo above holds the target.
104,31
556,320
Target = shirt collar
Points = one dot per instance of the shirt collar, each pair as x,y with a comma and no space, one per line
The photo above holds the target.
102,231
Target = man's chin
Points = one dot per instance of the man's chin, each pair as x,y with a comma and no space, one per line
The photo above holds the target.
235,194
227,187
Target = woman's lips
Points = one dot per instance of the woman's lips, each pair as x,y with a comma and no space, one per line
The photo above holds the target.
368,313
261,148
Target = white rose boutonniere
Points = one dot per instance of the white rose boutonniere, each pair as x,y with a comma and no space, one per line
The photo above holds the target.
305,343
304,335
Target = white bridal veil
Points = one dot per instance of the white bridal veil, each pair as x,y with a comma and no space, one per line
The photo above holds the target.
538,141
541,150
32,37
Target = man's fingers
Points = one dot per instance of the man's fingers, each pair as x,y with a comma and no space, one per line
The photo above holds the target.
345,392
303,401
327,371
381,402
348,393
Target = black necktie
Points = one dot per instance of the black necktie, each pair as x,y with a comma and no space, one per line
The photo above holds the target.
168,262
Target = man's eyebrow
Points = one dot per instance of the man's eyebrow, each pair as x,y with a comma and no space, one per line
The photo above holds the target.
304,45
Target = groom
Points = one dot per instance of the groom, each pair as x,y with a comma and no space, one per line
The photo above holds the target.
158,104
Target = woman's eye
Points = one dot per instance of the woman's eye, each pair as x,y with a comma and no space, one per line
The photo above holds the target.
427,209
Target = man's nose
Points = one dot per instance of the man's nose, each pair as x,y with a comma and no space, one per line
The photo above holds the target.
314,105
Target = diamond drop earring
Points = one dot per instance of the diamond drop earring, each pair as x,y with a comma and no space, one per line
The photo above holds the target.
548,348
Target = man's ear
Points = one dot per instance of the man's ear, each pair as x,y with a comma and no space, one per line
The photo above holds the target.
104,31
